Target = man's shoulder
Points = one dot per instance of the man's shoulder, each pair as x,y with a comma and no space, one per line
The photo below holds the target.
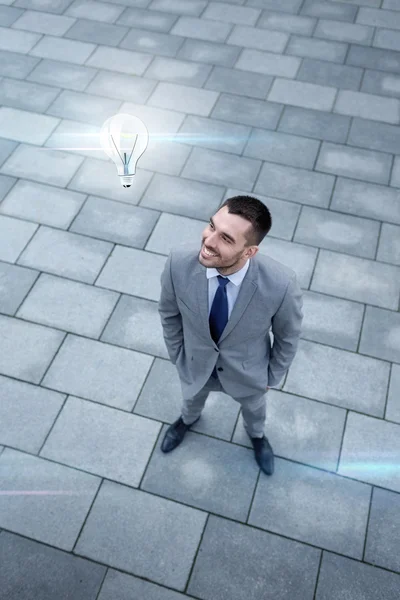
274,268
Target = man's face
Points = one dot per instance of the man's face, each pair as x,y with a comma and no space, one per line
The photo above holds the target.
224,237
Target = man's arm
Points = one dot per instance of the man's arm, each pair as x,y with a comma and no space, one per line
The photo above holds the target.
171,319
286,327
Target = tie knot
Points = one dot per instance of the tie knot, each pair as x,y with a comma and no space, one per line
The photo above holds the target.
222,281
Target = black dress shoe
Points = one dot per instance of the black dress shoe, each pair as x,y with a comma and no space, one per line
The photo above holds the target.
264,454
175,434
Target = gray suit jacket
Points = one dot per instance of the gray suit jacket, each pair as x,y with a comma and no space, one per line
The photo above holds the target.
269,297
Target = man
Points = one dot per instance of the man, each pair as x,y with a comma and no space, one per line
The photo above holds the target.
217,306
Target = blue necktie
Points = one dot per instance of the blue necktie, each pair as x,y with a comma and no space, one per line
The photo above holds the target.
219,313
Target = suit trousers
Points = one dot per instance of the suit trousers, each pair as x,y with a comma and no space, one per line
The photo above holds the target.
253,407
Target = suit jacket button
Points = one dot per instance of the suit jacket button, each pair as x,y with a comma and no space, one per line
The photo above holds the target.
220,369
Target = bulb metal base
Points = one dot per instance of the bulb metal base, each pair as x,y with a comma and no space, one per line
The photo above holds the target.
127,180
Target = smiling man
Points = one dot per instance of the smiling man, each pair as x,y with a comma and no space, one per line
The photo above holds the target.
217,306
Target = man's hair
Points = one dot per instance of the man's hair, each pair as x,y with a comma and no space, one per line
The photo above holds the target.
252,210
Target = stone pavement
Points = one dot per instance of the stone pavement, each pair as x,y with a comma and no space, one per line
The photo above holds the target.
297,102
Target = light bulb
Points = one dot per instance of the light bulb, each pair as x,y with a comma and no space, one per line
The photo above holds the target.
124,138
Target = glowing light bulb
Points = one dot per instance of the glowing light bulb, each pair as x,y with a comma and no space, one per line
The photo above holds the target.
124,138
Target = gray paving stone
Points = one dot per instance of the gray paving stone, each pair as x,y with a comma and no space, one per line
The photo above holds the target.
374,135
16,65
285,6
379,18
295,256
250,553
379,336
209,52
14,236
84,9
268,63
66,254
181,7
209,474
102,441
201,29
77,138
32,570
164,44
99,372
53,6
96,32
395,179
220,167
296,185
284,214
359,198
26,349
62,49
301,429
344,32
387,38
120,85
393,404
286,22
282,148
183,98
240,83
357,279
41,164
382,547
357,163
121,61
68,305
331,321
390,4
52,72
132,530
178,71
330,74
383,84
100,178
128,327
380,465
325,510
316,48
55,517
374,58
160,122
25,126
338,377
221,11
214,134
6,148
147,19
27,413
17,41
329,10
315,124
115,221
341,577
42,204
306,95
181,196
141,280
42,22
166,155
83,107
15,282
252,37
161,399
389,244
6,183
368,106
8,15
126,587
335,231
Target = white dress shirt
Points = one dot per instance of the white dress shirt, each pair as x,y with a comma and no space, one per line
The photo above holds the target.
232,287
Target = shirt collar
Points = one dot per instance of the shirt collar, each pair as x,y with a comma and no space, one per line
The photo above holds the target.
235,278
